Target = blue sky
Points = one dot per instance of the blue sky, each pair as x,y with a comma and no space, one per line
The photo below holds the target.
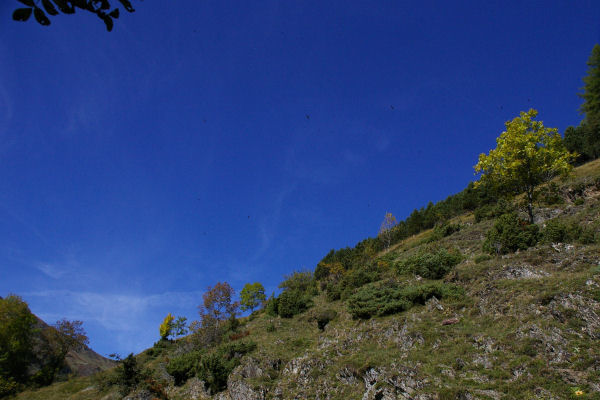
223,141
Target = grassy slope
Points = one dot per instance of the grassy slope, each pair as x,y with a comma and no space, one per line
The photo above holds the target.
526,329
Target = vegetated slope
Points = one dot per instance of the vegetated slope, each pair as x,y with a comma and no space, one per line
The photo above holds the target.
441,320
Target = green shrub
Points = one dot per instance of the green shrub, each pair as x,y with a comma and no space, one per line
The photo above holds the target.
588,236
184,366
324,317
299,288
127,374
360,276
214,368
333,290
551,194
490,211
232,324
352,279
481,258
293,302
272,306
509,234
555,231
388,298
214,372
443,230
430,265
300,281
8,386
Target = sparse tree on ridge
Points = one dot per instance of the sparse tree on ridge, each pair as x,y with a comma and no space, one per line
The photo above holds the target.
180,327
166,328
252,296
585,138
71,335
591,104
385,231
527,154
217,303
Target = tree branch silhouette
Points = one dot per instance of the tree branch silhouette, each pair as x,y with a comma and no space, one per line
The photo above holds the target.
42,9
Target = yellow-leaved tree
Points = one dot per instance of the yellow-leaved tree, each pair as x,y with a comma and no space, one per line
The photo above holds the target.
527,154
165,329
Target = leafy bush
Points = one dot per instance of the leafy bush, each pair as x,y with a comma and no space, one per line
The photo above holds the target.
556,231
127,374
333,290
481,258
352,279
293,302
214,372
490,211
551,194
509,234
272,306
323,317
443,230
184,366
7,386
388,298
214,369
358,277
430,265
588,236
300,281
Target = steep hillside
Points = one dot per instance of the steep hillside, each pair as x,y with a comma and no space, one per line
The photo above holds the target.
442,319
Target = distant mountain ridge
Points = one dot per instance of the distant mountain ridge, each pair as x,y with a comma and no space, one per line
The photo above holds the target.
83,361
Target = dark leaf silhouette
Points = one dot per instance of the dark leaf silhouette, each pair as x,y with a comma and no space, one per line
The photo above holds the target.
64,6
54,7
50,9
127,5
22,14
83,4
108,21
40,16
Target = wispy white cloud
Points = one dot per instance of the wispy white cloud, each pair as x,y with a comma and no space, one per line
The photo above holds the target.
268,225
116,311
129,320
52,270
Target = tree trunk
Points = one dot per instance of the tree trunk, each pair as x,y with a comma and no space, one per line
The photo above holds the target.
530,205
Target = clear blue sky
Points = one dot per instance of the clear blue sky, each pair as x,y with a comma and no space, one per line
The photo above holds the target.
140,166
